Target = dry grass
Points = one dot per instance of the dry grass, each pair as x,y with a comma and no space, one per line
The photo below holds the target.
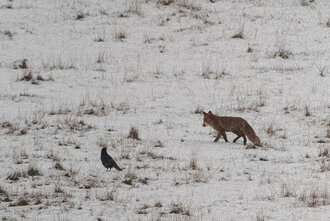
33,171
120,36
158,143
143,209
324,152
198,110
81,15
58,64
8,34
107,196
73,124
270,130
134,7
164,2
305,2
20,202
193,163
328,23
260,217
281,45
208,73
307,111
58,166
178,208
315,197
130,177
16,175
27,75
287,191
325,165
134,134
240,32
19,64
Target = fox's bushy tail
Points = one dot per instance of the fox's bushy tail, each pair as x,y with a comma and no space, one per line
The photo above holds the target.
251,135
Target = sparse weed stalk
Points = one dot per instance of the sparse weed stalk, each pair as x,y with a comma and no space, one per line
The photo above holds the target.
304,2
3,192
198,110
208,73
324,152
325,165
61,110
315,197
323,71
281,44
240,32
109,195
130,177
164,2
100,36
287,191
59,64
270,130
158,143
242,106
33,171
120,36
103,56
193,163
58,190
102,143
8,34
135,7
20,202
74,124
81,15
134,134
58,165
198,176
16,175
307,111
188,4
143,209
260,217
179,208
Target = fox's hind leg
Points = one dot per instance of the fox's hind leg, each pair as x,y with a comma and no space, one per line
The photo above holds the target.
238,136
244,139
238,133
223,133
218,137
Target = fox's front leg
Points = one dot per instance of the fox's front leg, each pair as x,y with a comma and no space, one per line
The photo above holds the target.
218,137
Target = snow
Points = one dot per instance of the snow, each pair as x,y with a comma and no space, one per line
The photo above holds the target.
90,86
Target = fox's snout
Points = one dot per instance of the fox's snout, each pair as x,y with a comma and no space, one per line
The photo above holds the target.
204,124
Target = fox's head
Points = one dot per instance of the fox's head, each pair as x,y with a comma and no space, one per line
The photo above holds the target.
207,119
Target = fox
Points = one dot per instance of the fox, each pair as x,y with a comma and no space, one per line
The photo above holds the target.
236,125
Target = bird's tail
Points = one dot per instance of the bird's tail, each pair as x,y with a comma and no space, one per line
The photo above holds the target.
117,167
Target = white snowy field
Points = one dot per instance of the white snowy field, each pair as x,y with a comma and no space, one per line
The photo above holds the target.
96,69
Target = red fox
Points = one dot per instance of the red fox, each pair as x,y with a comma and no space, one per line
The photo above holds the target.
237,125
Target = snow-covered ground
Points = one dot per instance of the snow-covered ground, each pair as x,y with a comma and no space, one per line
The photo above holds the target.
96,69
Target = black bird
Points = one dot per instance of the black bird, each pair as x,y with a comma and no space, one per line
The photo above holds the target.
107,160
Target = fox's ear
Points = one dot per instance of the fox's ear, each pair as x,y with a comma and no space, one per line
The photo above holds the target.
204,113
210,112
